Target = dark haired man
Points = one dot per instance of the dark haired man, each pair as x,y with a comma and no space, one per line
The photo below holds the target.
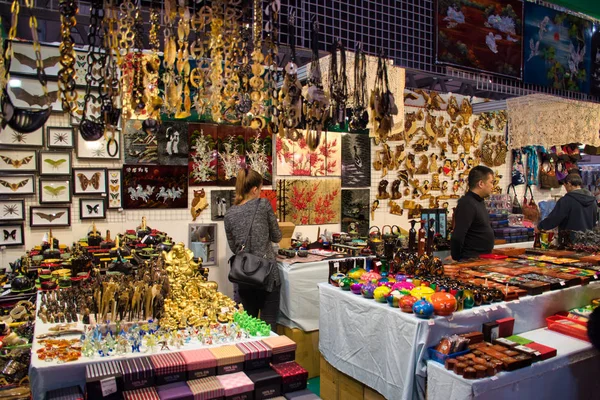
473,234
575,211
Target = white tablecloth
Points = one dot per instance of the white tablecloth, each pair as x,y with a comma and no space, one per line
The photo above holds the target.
572,374
386,349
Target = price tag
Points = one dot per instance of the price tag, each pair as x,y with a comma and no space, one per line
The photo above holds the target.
336,265
144,239
494,378
562,283
378,263
494,308
224,310
108,386
431,322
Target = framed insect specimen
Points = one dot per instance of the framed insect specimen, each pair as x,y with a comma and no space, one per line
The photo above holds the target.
92,208
55,163
107,147
18,161
28,93
115,188
23,60
60,137
12,210
17,184
203,242
56,216
89,181
12,138
12,235
53,191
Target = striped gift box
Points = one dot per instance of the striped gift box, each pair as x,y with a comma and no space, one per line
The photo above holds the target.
236,384
70,393
137,373
199,363
175,391
206,388
293,376
104,380
148,393
256,353
283,348
230,359
168,368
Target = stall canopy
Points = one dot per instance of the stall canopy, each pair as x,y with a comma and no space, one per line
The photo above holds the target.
544,120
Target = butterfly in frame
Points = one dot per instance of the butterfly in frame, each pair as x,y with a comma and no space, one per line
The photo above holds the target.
16,163
50,217
94,181
55,163
54,191
14,186
10,234
92,209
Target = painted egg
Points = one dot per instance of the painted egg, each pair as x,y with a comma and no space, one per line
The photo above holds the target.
386,283
356,287
443,303
393,298
380,292
336,278
423,309
368,290
405,287
356,273
422,292
371,276
406,303
345,283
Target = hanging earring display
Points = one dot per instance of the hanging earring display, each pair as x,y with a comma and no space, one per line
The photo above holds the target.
198,75
272,59
317,101
66,74
184,101
233,52
382,103
338,84
256,82
290,95
360,116
172,92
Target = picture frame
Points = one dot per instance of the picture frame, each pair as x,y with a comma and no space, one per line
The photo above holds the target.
12,235
55,191
49,216
18,161
89,181
92,208
27,92
203,242
17,184
12,210
115,189
10,138
60,137
55,163
24,63
101,149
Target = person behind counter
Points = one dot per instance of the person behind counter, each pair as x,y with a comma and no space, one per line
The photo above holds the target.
473,234
261,232
575,211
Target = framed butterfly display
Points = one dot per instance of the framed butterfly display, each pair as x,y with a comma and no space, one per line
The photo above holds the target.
55,163
49,217
28,93
53,191
115,188
60,137
12,210
18,161
12,235
92,208
12,138
17,184
89,181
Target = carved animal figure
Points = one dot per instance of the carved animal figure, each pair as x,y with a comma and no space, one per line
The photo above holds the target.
199,204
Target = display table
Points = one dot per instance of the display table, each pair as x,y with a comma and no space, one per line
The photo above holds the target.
44,376
572,374
386,349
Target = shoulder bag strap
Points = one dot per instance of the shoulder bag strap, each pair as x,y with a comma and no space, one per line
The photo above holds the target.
251,223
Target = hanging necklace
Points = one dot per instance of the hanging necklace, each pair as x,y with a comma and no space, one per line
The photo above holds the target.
338,85
23,120
256,82
290,95
382,102
198,51
184,104
360,115
317,101
66,74
272,59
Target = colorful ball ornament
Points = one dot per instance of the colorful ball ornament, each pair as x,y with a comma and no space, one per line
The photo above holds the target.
368,290
393,298
443,303
370,276
380,293
405,287
406,303
356,287
384,282
423,309
356,273
345,283
336,278
422,292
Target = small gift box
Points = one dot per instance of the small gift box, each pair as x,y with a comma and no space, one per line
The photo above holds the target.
104,380
230,359
207,388
283,348
293,376
237,386
168,368
267,383
256,354
200,363
175,391
148,393
137,373
70,393
302,395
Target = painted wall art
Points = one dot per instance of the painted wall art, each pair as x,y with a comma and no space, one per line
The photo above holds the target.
140,139
173,143
231,146
203,154
309,202
220,201
356,160
203,242
557,49
355,211
295,158
271,196
259,150
18,160
595,69
484,35
154,186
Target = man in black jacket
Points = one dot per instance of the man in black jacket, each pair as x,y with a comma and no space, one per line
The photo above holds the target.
473,234
575,211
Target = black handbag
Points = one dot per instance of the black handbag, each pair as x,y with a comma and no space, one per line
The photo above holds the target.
247,269
516,206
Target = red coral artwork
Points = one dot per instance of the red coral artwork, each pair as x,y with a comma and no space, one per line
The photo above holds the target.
309,202
294,158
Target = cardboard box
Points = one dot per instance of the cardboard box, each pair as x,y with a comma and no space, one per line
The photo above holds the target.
199,363
267,383
237,386
148,393
69,393
168,368
207,388
257,355
175,391
293,376
104,380
230,359
283,348
138,373
506,326
307,350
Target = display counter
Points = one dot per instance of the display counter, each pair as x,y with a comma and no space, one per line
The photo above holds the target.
386,349
560,377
